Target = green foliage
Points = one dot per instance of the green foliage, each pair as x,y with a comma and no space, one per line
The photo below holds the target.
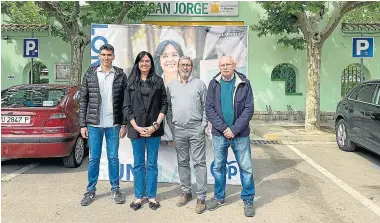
101,12
140,10
298,43
57,31
70,23
366,14
280,20
105,12
24,12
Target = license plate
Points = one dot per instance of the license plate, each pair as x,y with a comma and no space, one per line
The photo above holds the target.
15,119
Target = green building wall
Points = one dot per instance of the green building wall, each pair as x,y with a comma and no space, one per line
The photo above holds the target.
264,55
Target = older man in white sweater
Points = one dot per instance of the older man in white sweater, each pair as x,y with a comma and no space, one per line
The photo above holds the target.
187,119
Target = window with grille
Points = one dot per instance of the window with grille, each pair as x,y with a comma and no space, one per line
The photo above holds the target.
350,78
285,72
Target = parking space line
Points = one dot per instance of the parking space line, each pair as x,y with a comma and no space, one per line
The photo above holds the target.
365,201
18,172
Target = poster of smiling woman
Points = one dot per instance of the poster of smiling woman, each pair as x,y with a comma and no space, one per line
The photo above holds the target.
203,44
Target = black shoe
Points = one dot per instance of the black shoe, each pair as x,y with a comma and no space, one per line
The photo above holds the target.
89,197
135,205
117,196
214,204
249,210
154,205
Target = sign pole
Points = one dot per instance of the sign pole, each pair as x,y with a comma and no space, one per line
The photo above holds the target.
31,67
361,66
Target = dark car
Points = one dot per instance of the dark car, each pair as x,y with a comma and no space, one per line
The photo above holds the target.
358,118
39,121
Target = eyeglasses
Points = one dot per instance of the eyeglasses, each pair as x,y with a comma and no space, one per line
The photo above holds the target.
185,65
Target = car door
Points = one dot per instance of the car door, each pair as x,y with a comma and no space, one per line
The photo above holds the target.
363,105
351,108
372,121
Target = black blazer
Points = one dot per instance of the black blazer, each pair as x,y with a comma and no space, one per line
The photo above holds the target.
133,107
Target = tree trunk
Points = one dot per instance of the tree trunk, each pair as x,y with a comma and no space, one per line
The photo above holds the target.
314,51
77,49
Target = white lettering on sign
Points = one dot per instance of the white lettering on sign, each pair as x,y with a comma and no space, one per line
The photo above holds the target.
30,45
362,44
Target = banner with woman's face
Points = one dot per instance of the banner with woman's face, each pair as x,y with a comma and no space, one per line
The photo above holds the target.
204,44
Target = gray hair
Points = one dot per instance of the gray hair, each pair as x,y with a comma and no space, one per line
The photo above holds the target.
185,58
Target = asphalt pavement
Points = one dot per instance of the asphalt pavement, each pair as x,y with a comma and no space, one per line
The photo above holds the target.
294,183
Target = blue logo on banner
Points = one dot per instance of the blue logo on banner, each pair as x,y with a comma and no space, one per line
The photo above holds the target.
231,170
31,48
96,39
362,47
128,171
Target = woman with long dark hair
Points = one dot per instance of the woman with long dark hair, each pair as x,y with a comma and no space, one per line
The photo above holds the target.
145,107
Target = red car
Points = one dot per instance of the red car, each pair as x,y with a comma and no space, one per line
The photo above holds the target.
40,121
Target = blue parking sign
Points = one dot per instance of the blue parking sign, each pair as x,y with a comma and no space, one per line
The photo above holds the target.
362,47
31,48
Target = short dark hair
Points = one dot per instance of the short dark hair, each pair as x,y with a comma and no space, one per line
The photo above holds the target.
107,47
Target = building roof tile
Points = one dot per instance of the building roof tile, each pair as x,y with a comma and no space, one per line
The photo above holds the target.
361,28
24,27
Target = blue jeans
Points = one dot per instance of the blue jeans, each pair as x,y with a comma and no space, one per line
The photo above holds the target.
242,149
139,170
95,141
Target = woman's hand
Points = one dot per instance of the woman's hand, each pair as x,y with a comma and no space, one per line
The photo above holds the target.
151,129
141,130
145,131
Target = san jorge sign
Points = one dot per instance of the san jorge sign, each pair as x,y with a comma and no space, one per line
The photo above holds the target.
196,8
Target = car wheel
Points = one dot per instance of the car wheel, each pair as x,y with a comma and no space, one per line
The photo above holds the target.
76,157
343,137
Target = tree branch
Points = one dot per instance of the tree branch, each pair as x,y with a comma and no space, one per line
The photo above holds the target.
337,14
127,5
86,39
55,9
75,13
304,24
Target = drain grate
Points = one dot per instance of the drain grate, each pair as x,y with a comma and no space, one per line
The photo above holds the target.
265,142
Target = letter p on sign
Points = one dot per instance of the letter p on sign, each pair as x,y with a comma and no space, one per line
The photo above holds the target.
362,47
31,48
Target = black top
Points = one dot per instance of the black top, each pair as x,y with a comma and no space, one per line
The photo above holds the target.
134,106
145,89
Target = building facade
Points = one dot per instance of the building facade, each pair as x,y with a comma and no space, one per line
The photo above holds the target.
278,74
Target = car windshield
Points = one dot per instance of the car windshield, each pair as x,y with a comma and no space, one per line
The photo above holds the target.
32,96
